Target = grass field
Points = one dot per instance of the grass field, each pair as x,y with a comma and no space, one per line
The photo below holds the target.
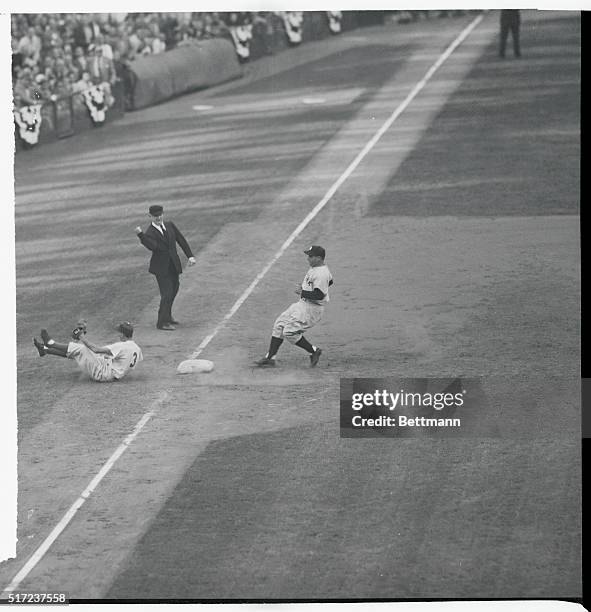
455,251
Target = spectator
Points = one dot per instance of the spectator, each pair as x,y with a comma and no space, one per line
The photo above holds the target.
168,25
47,66
153,28
42,83
25,91
100,67
69,60
83,83
127,77
118,39
60,69
80,60
66,27
183,36
263,26
135,42
30,47
117,18
85,32
46,41
99,43
102,72
63,87
17,58
215,26
145,47
158,44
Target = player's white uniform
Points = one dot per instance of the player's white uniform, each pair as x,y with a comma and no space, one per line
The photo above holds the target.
305,313
104,368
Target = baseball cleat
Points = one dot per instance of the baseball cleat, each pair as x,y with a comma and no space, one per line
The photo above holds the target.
265,362
314,357
40,347
45,336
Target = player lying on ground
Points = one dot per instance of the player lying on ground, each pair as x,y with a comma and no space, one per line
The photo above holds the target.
101,363
304,313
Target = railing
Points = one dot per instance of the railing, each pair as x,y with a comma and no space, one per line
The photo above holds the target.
69,115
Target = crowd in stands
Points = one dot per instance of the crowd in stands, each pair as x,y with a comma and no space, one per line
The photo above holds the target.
55,55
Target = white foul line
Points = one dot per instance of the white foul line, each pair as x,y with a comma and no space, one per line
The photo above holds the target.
69,515
333,189
63,523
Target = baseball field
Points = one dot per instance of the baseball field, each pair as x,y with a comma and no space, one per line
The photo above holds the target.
453,240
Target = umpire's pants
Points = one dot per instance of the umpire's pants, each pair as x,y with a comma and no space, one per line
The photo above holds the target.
510,25
168,284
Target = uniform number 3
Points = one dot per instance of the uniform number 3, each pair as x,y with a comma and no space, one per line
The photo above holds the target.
133,360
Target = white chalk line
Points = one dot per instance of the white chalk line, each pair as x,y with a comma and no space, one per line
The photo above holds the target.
69,515
63,523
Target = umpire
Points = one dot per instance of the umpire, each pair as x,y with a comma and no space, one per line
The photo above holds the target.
161,239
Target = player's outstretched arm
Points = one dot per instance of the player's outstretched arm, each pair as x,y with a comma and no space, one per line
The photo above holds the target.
94,348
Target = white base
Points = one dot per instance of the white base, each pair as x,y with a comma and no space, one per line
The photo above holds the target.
195,366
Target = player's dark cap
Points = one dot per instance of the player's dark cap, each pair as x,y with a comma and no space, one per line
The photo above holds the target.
125,328
156,210
316,250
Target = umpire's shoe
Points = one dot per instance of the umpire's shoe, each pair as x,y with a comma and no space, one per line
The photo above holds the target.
314,357
40,347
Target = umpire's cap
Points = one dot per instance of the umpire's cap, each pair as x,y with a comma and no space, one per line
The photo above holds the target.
125,328
156,210
316,250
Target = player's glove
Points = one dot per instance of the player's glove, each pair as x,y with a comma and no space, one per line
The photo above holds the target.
79,330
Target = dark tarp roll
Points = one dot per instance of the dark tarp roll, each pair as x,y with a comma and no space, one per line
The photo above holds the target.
194,66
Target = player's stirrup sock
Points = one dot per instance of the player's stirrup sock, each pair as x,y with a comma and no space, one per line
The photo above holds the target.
51,343
60,350
274,346
303,343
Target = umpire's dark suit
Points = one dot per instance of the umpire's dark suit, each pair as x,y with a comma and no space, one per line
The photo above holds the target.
510,22
165,264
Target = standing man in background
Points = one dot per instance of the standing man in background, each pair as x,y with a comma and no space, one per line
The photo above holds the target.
165,264
510,22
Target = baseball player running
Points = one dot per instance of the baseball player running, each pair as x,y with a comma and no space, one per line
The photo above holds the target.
101,363
305,313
